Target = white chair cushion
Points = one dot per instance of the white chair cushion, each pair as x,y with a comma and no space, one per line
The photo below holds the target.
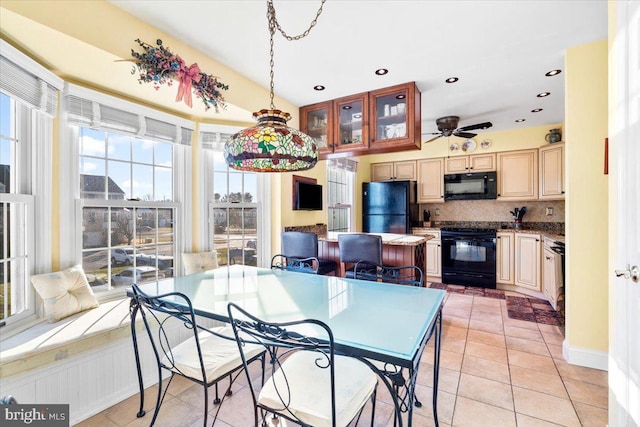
64,293
219,355
309,389
199,262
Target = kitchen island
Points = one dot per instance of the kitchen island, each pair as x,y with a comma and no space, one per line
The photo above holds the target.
397,250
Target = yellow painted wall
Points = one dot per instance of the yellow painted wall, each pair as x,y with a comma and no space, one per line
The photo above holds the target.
586,100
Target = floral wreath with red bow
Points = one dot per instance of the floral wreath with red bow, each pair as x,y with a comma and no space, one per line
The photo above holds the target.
158,65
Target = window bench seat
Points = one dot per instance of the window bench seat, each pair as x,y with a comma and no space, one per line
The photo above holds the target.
46,343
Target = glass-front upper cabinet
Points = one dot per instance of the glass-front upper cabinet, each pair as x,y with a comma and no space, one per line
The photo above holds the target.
395,118
317,121
352,117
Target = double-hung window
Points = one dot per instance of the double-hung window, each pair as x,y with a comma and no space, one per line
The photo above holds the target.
340,182
129,192
238,205
28,102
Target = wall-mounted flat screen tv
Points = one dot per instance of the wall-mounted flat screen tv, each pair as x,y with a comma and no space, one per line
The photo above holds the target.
308,196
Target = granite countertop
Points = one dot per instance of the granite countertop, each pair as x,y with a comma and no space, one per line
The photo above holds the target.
387,238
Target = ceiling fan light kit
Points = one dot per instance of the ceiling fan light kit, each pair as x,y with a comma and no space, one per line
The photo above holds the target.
448,126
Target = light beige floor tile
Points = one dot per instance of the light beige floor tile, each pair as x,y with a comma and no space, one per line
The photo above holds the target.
382,416
97,420
173,412
486,302
472,413
486,369
456,312
446,403
482,316
520,324
485,351
527,360
125,412
556,352
447,379
530,334
552,338
486,391
537,381
453,332
450,360
237,410
583,392
552,329
528,346
454,345
591,416
486,338
527,421
460,322
486,309
580,373
491,327
545,407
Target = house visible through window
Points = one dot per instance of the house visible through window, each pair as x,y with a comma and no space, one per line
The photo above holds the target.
127,228
340,177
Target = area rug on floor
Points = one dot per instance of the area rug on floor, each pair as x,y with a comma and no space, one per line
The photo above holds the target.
520,308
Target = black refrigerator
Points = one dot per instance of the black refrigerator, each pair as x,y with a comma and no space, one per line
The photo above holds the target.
389,207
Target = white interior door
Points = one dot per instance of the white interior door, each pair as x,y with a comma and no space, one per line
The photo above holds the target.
624,129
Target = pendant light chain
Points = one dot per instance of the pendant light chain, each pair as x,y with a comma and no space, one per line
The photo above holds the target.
273,25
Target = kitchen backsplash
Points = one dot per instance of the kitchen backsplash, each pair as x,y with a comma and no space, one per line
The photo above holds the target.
492,210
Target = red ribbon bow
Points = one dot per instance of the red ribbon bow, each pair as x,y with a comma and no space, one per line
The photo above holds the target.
187,76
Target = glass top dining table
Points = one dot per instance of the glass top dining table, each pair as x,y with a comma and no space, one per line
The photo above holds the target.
385,322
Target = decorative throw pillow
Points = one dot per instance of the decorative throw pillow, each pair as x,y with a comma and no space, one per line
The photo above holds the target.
64,293
199,262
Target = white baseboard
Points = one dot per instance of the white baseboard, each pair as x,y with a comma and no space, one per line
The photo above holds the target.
585,357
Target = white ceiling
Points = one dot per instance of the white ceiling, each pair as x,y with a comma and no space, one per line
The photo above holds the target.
500,50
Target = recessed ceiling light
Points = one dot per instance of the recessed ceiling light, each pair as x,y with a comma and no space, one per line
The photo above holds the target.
357,116
452,80
318,87
536,110
400,97
347,107
381,71
543,94
553,73
520,120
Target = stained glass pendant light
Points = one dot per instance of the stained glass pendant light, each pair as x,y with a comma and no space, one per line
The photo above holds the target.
270,145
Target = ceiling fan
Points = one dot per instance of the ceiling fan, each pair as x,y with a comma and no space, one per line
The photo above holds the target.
448,126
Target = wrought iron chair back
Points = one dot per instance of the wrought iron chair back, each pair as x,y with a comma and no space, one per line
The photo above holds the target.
300,265
308,340
162,312
358,247
302,244
405,275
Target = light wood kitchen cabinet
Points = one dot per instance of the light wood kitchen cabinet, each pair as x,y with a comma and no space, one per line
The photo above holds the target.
394,171
433,254
552,172
517,175
527,260
472,163
551,273
505,255
430,180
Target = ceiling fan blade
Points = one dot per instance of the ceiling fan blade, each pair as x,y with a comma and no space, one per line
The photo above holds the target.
433,139
464,134
485,125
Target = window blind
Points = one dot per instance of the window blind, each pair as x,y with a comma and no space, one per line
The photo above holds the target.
344,164
214,140
113,114
27,81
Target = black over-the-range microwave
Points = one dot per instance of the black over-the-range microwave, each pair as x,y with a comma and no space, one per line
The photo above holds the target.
470,186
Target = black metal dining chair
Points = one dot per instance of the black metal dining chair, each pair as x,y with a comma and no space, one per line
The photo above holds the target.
405,275
309,384
207,357
359,248
301,245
